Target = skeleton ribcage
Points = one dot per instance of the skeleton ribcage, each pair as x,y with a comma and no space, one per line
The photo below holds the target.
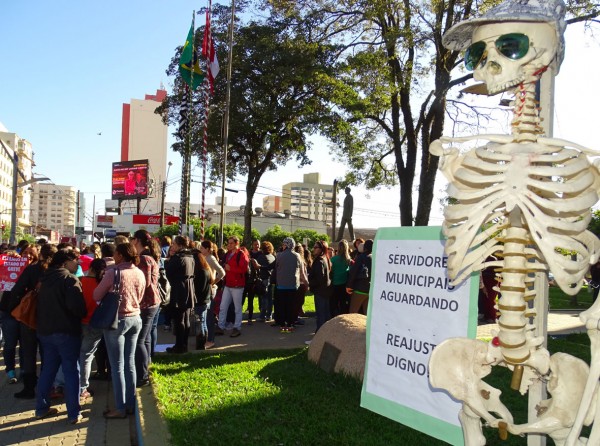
552,187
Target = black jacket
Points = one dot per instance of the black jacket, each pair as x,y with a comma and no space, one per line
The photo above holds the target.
318,277
61,305
201,281
359,277
180,274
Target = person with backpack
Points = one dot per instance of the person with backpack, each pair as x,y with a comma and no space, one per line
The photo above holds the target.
236,267
180,272
359,279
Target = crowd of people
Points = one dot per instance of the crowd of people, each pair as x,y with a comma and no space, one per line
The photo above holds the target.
193,284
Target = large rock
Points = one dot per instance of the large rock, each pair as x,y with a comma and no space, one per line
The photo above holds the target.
347,333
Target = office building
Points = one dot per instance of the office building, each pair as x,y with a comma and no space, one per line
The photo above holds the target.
54,207
309,198
10,145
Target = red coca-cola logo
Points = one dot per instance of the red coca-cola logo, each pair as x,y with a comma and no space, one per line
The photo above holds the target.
153,219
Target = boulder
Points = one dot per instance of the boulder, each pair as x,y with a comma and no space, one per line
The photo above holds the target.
346,333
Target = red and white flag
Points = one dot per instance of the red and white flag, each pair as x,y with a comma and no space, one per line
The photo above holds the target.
208,52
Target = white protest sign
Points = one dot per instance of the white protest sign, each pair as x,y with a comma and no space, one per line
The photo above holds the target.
413,308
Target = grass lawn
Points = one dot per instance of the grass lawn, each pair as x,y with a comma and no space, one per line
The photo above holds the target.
562,301
279,398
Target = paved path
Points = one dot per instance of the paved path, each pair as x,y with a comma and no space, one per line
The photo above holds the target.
18,425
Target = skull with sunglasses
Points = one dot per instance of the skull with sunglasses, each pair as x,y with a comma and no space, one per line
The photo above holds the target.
511,42
507,54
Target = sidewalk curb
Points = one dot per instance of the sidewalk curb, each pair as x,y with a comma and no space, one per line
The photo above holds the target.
151,427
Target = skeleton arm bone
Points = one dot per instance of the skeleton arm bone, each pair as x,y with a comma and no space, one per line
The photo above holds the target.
563,143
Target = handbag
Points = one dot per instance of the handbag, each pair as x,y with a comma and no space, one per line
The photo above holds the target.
26,311
106,316
164,288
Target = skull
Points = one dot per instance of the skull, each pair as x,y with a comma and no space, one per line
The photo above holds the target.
500,72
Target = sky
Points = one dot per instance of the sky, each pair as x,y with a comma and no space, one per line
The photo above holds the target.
68,66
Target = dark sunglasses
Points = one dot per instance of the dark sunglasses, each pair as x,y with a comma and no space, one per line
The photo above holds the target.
514,46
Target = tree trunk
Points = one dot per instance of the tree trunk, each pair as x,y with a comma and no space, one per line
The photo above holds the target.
251,186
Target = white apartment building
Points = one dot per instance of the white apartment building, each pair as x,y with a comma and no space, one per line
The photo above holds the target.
54,207
9,144
309,198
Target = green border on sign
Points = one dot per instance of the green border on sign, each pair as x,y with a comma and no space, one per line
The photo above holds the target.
417,420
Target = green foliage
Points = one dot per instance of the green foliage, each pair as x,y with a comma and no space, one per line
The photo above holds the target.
300,234
594,225
275,235
170,230
277,86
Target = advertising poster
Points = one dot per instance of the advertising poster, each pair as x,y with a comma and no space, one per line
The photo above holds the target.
10,269
413,308
130,179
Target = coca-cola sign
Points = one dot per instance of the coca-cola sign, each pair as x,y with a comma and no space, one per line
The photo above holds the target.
153,219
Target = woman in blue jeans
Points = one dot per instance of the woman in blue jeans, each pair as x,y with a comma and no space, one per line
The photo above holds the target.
121,343
149,253
59,312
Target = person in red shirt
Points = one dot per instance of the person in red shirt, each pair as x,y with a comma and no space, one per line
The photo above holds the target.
90,336
236,267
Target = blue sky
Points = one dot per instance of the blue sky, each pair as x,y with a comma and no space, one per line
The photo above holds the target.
68,67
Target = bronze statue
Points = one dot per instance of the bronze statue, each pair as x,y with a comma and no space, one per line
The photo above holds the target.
347,216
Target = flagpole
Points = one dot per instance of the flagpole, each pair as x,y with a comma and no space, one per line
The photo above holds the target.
226,122
187,156
207,86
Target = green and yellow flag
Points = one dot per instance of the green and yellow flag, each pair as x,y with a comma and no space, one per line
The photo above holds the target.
189,59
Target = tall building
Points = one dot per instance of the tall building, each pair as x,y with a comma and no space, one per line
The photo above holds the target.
10,145
54,207
272,203
309,198
144,136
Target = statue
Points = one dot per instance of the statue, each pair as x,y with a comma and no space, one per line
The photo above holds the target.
347,216
526,199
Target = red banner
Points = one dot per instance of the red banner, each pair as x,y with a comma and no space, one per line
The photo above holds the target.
153,219
10,269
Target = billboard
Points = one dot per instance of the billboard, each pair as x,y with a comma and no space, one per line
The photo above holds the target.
130,179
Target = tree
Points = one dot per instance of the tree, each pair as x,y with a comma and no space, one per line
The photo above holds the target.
276,101
392,85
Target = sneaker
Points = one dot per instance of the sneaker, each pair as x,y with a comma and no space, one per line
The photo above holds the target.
208,344
307,342
219,330
235,333
76,420
86,394
48,413
12,377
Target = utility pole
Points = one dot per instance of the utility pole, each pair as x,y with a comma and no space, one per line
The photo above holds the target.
162,203
333,210
13,213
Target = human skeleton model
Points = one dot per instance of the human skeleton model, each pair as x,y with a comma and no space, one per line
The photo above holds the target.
526,199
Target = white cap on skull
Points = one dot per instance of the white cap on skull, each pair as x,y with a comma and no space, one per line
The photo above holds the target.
547,11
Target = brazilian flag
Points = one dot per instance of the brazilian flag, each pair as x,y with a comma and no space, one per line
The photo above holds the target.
189,59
